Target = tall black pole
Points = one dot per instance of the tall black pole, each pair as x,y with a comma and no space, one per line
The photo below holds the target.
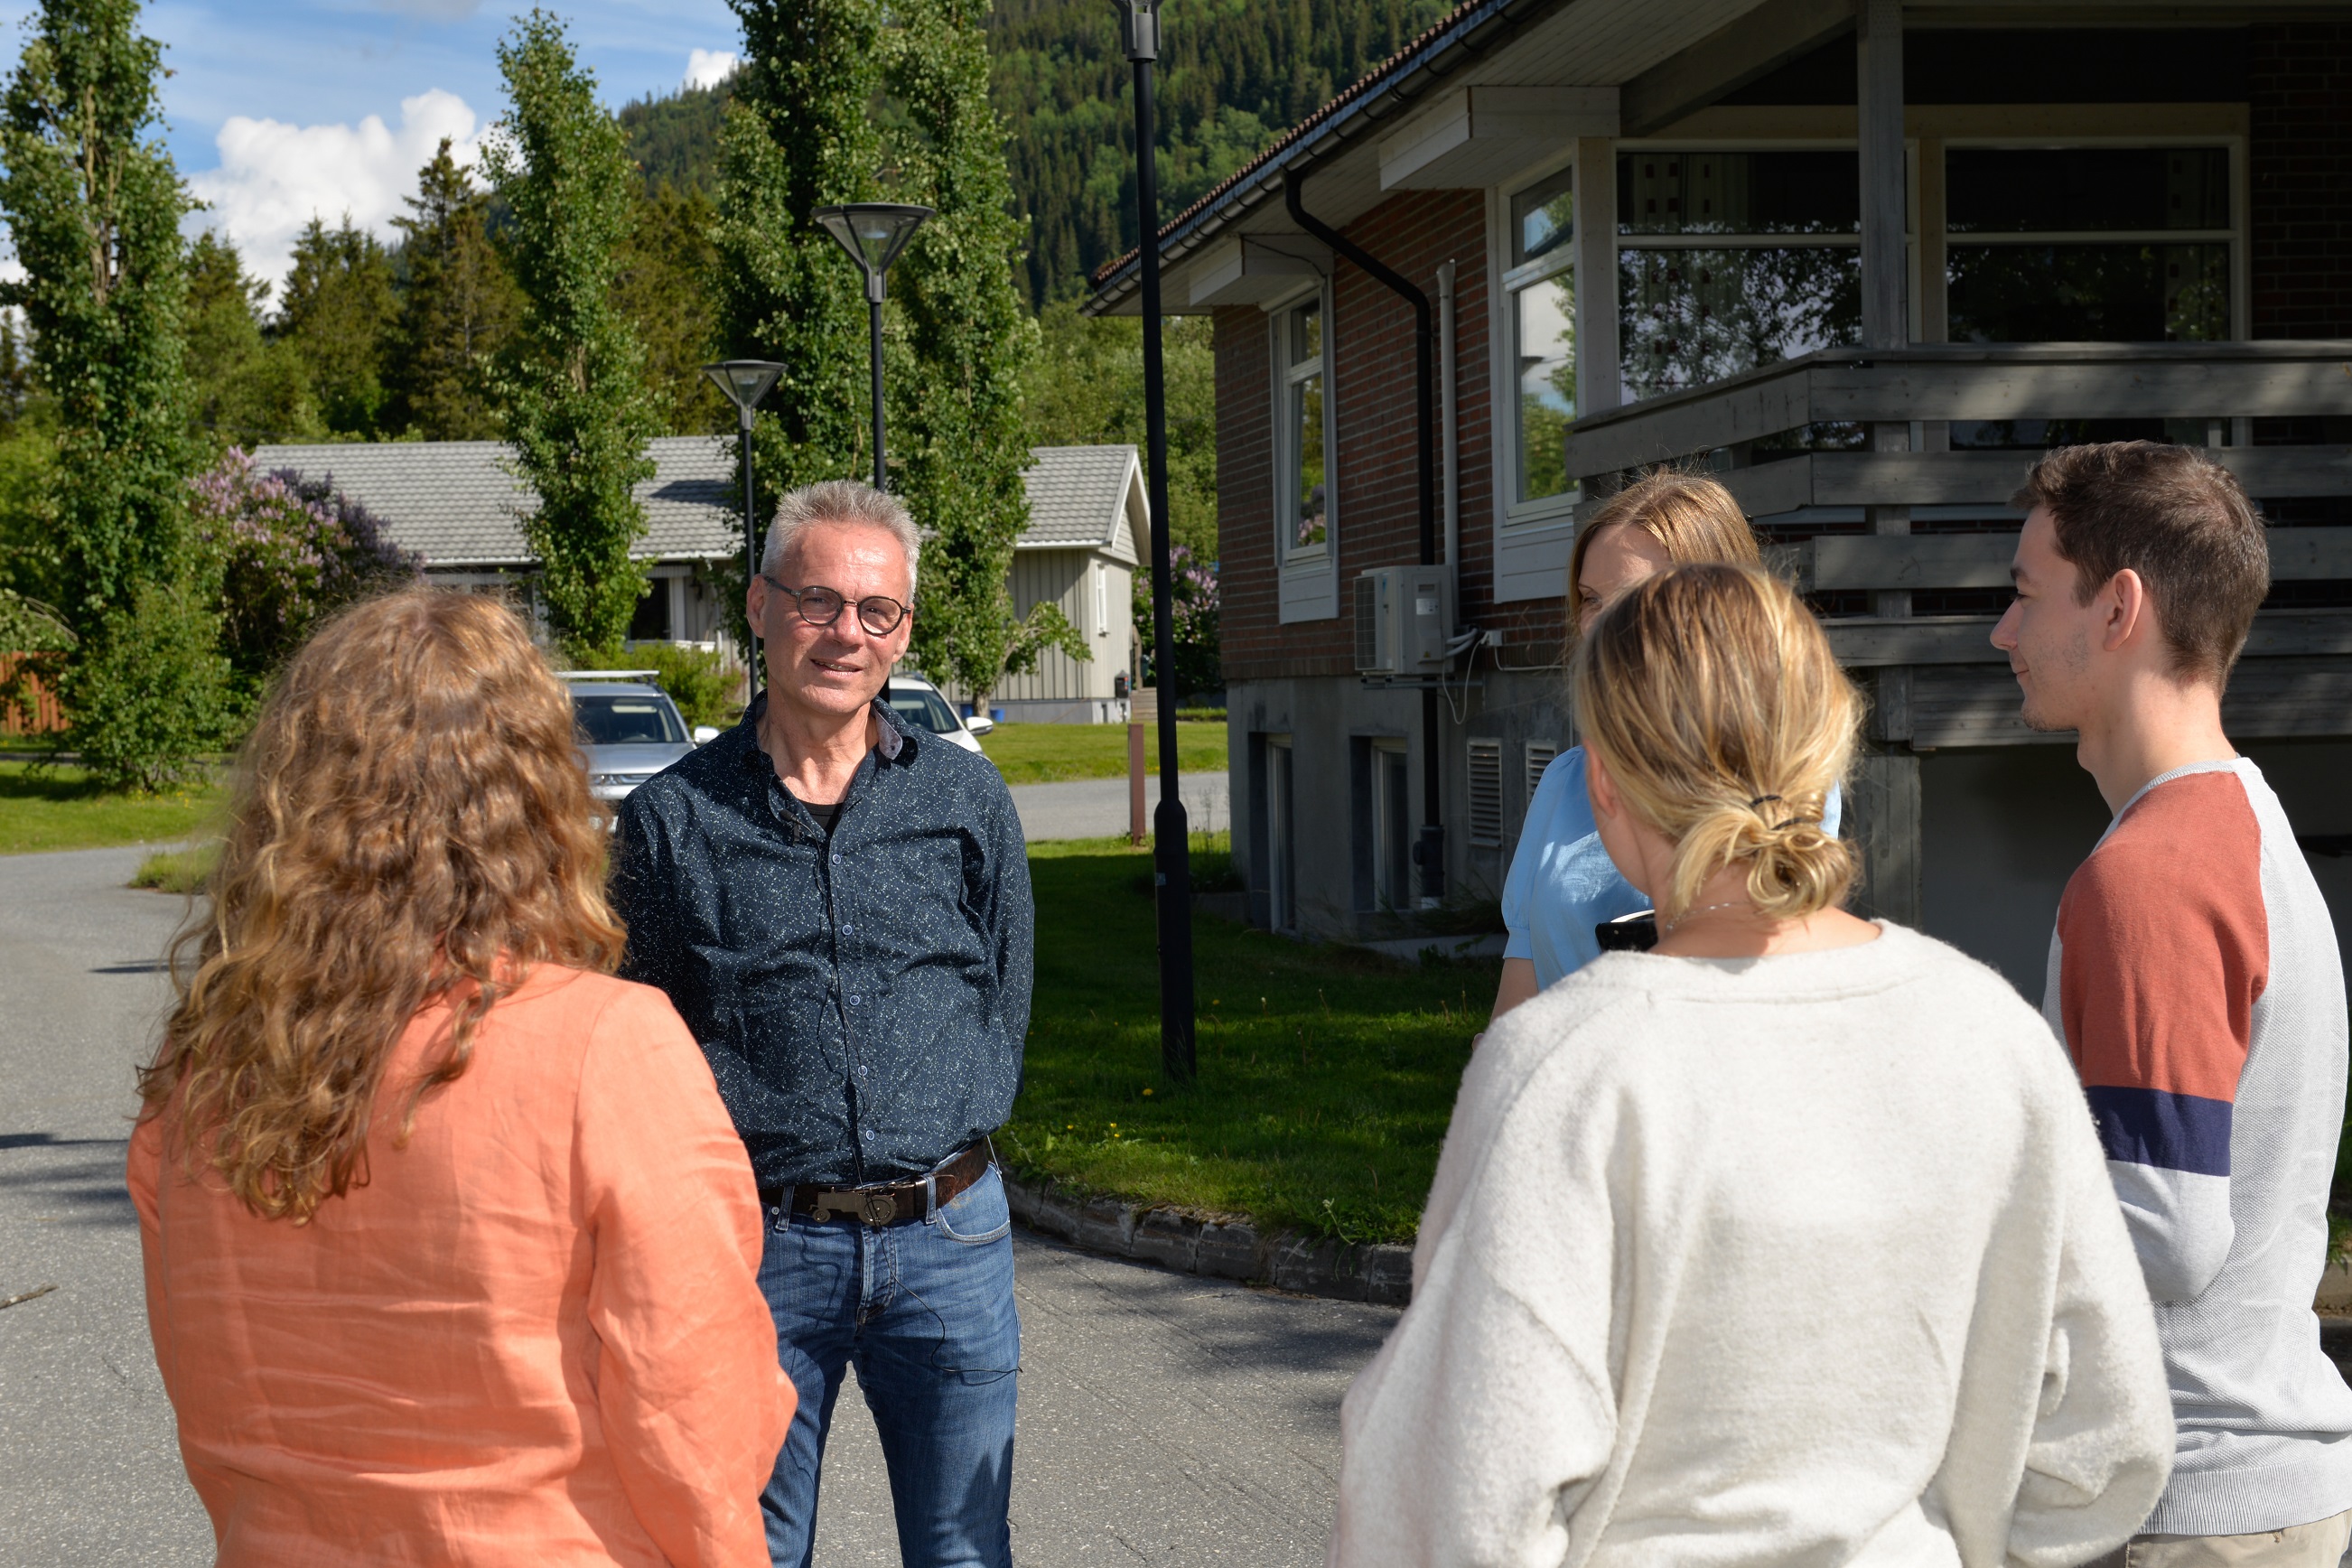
750,562
1171,836
873,310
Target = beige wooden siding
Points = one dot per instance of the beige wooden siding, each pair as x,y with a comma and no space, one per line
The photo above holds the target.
1065,578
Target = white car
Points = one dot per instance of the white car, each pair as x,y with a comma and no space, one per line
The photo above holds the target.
919,702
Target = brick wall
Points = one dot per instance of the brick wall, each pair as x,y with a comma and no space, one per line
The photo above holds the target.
1377,501
2299,86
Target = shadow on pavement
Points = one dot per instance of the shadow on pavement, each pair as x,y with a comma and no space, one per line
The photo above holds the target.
85,1183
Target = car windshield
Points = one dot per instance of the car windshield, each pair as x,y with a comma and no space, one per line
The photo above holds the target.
926,709
613,719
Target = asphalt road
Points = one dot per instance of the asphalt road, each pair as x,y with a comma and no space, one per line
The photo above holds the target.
1164,1419
1097,808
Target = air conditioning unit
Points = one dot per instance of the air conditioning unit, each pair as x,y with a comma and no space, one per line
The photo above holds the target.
1404,619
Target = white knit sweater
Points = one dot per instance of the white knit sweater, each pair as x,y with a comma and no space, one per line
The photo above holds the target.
1804,1259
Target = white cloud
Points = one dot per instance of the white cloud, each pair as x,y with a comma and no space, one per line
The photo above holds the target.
709,68
274,178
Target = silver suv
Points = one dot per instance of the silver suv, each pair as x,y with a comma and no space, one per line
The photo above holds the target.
629,729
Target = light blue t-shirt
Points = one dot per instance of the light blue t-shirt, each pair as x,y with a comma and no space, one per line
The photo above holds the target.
1562,882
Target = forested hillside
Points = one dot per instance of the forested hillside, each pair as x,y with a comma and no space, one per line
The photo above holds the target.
1233,75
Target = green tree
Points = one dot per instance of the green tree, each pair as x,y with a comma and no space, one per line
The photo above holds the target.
665,290
249,388
1085,389
455,312
338,313
93,205
964,437
576,409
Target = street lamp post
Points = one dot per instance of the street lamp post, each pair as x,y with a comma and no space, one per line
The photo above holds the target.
1171,848
874,233
745,382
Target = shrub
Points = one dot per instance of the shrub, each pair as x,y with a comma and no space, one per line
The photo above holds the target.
159,689
1192,605
289,552
704,684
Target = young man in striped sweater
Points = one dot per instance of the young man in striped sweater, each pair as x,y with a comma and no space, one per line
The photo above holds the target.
2194,979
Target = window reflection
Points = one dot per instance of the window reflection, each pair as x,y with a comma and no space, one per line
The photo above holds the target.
2089,293
1307,425
1546,332
1688,317
1739,192
2077,190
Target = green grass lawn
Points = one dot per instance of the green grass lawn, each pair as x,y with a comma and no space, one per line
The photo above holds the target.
46,808
1326,1079
1050,753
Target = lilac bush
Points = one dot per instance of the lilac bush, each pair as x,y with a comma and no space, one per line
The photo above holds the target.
289,552
1192,614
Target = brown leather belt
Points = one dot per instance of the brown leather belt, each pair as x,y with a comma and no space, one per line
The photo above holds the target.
893,1203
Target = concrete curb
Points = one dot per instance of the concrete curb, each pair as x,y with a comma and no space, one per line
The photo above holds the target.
1374,1272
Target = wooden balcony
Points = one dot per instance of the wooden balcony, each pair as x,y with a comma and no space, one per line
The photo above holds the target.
1937,680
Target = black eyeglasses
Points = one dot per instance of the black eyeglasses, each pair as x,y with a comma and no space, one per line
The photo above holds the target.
877,613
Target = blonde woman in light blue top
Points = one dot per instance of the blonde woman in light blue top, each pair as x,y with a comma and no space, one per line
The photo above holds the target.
1561,884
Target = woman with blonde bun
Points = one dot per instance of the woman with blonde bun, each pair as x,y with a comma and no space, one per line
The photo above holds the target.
452,1252
1788,1241
1561,887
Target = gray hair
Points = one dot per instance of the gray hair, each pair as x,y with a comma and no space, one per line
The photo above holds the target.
840,501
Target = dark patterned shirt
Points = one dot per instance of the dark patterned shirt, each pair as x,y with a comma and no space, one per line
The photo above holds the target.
862,995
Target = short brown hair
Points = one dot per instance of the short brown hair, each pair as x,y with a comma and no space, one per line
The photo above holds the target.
2179,520
1694,517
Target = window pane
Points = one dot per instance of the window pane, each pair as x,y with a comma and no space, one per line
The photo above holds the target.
1541,218
1739,192
1306,433
2089,293
1307,334
2069,190
1546,332
1688,317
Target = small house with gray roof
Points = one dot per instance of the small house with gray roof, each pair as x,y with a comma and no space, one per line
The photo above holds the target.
457,505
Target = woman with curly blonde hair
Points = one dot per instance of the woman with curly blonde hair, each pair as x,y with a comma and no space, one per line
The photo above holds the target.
451,1249
1787,1241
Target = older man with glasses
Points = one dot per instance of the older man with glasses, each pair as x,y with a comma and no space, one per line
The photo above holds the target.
839,906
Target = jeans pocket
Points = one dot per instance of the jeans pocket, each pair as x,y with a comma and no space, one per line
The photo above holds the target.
977,1215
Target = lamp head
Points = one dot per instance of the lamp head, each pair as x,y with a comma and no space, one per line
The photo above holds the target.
745,382
1139,22
874,233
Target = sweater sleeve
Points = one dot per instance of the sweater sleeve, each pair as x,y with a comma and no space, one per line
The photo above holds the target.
2101,1443
2164,946
693,1402
1475,1434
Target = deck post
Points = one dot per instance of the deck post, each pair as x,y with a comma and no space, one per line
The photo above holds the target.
1598,385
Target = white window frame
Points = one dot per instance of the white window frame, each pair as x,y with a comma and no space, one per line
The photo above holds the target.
1308,574
1543,509
1102,598
2235,236
1388,778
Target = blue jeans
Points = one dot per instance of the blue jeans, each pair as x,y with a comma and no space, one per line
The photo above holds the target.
926,1312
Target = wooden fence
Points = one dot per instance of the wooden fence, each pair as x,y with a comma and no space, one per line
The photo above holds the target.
33,710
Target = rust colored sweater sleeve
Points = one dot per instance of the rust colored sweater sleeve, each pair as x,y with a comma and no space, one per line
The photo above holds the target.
693,1402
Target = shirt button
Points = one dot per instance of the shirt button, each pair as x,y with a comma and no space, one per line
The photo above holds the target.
853,1001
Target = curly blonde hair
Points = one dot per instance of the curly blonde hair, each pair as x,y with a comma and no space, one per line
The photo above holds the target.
1710,694
411,823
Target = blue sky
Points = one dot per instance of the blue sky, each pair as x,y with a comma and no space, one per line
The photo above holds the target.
281,108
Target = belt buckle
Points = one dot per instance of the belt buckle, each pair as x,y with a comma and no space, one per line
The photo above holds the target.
874,1208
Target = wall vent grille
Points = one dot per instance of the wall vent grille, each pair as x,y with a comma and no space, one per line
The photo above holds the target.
1486,792
1540,754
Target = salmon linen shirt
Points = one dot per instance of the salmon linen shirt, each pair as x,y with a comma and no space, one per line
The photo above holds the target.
535,1336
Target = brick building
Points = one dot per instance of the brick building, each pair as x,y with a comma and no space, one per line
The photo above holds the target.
1862,259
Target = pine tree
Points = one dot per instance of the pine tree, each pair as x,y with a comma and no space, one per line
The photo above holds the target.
575,408
338,314
665,289
93,205
964,437
249,388
457,310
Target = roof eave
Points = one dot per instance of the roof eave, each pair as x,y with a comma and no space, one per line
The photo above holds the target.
1404,79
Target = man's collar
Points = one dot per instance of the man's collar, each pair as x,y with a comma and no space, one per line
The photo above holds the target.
893,737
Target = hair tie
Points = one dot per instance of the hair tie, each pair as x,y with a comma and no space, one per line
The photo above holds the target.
1794,821
1760,800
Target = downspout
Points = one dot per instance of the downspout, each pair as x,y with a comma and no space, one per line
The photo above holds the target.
1430,853
1446,375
